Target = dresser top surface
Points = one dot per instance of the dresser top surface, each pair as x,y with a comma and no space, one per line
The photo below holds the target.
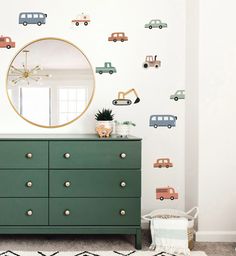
65,137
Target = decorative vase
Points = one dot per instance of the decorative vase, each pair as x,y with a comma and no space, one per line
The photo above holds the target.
122,130
107,124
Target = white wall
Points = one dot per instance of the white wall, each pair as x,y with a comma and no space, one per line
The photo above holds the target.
191,125
153,86
217,111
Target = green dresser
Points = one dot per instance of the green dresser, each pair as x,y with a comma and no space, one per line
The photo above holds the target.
70,184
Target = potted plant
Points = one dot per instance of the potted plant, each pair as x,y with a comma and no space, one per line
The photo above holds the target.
105,117
123,128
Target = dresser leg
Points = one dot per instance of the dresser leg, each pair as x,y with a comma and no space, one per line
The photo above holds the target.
138,239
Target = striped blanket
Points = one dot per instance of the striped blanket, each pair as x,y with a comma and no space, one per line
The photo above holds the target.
170,236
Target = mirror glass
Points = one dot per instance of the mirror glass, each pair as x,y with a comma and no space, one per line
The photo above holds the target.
50,82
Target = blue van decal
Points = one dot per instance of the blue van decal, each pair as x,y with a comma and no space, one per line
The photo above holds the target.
162,120
38,18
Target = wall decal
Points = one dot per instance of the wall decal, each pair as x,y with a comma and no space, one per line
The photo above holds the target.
163,162
178,95
122,101
162,120
118,36
107,68
38,18
81,19
151,61
166,193
6,42
155,24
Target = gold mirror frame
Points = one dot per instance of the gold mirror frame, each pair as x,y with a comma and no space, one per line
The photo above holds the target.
52,126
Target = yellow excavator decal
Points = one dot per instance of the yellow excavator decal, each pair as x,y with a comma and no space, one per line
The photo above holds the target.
122,101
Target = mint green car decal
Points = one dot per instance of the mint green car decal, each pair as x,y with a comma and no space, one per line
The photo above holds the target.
155,24
107,68
178,95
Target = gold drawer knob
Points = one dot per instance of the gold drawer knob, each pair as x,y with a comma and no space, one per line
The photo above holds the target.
29,155
123,184
67,212
29,212
67,184
67,155
29,184
123,155
122,212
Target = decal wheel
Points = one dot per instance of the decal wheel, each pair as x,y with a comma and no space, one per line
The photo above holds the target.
111,72
76,23
114,40
156,66
8,47
122,40
176,98
155,125
25,23
145,65
169,126
160,27
167,166
39,23
100,72
171,198
85,23
150,27
161,198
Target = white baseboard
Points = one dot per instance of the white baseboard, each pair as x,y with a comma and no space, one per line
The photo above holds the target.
216,236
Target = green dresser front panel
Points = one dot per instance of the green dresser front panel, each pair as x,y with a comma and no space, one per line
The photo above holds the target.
70,186
23,154
24,183
94,211
23,211
95,154
95,183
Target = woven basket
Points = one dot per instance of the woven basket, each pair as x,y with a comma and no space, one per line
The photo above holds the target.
172,213
191,233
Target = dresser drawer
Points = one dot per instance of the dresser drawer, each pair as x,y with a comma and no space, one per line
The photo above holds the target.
23,154
24,211
23,183
95,183
95,154
94,211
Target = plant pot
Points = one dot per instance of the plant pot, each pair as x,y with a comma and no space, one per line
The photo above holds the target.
107,124
122,130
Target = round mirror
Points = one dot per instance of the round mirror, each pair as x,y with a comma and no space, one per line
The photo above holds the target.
50,82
